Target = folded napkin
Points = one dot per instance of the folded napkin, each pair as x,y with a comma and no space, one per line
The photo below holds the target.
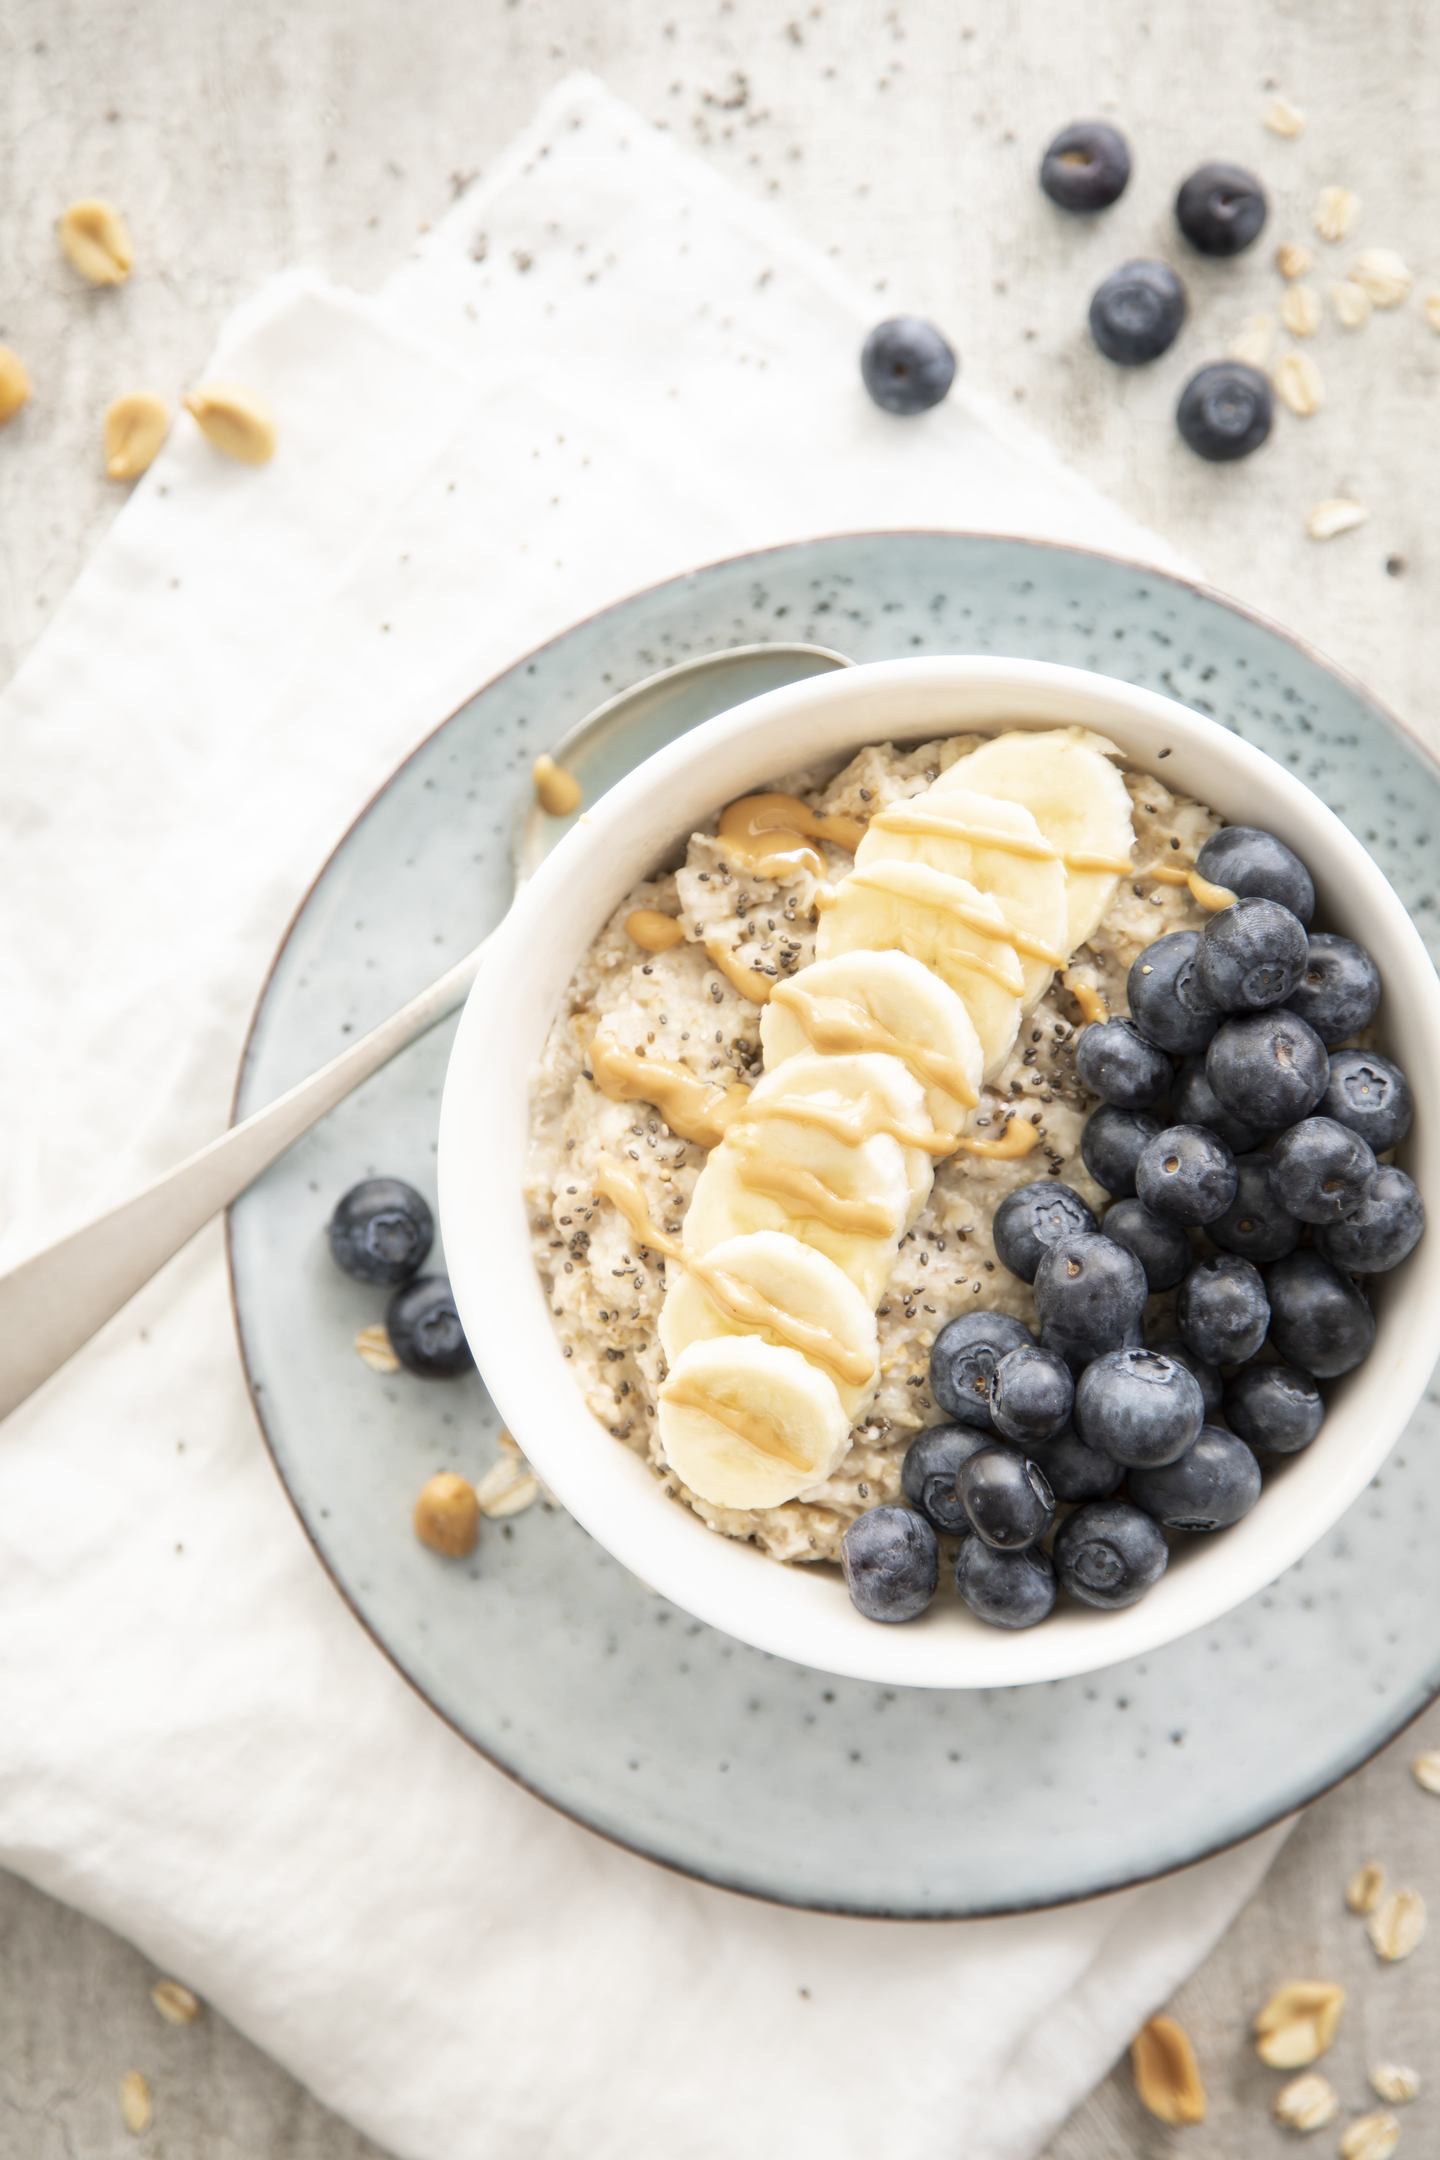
606,365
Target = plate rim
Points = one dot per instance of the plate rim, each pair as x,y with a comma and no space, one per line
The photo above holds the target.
1195,587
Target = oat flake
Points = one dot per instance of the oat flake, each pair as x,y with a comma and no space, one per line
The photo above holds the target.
373,1345
1351,303
1293,259
1370,2137
1396,1927
1426,1770
1432,310
1300,311
1365,1888
1299,384
1383,274
135,2108
507,1488
1306,2103
1326,521
175,2002
1283,118
1336,209
1395,2083
1255,341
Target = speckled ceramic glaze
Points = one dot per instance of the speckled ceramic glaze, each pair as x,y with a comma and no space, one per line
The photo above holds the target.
550,1657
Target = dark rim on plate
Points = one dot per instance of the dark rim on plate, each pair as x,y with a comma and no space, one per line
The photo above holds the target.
1196,588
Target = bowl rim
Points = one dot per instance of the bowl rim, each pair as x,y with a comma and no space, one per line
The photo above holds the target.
480,1274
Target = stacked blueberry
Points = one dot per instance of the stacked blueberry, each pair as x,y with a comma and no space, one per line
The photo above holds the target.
1240,1140
381,1233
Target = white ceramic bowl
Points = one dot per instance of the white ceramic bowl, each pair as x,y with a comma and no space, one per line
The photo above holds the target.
803,1613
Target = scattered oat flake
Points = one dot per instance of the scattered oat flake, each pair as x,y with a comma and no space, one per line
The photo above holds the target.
1384,275
1299,383
1300,311
1255,341
1426,1770
1283,118
1370,2137
135,2108
508,1487
1293,259
1395,2083
1336,209
1351,303
1432,310
1298,2023
1308,2102
373,1345
1167,2076
1326,522
1365,1888
175,2002
1395,1928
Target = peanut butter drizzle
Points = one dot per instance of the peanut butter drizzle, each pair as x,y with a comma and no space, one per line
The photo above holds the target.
755,1427
1018,1138
853,1122
834,1025
558,792
773,835
873,878
906,817
1089,997
810,1195
697,1110
1215,898
653,930
750,982
736,1298
1113,865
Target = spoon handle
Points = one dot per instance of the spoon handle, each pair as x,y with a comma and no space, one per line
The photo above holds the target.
51,1304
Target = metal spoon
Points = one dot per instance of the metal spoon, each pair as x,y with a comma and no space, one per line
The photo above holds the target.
51,1304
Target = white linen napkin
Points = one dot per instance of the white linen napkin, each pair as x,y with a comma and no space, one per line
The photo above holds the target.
197,1744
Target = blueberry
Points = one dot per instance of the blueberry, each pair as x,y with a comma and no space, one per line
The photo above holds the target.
425,1331
381,1231
1006,1498
1370,1095
1274,1407
1339,991
1114,1060
1005,1589
1322,1169
1031,1395
1111,1145
1195,1103
1167,1003
1136,313
1089,1294
1076,1472
1212,1387
1252,954
1223,1311
1383,1230
1318,1319
1109,1554
927,1475
1220,209
1225,411
1139,1407
1186,1175
891,1562
1086,166
1257,1224
1212,1485
1269,1068
1034,1217
1161,1247
1255,865
906,365
963,1360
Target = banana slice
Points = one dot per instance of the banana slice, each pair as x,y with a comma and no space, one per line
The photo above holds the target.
999,847
770,1285
748,1425
1077,798
943,922
850,1203
885,1001
851,1098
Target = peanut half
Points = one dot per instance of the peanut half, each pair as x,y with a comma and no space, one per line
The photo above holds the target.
234,420
1167,2076
135,427
97,241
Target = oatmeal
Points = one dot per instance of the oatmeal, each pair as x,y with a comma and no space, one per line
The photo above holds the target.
655,1068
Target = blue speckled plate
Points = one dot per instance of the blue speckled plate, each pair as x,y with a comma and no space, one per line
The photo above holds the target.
543,1652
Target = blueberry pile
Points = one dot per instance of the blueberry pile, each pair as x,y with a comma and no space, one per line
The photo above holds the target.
381,1233
1239,1132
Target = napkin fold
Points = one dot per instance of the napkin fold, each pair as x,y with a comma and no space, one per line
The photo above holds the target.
604,366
